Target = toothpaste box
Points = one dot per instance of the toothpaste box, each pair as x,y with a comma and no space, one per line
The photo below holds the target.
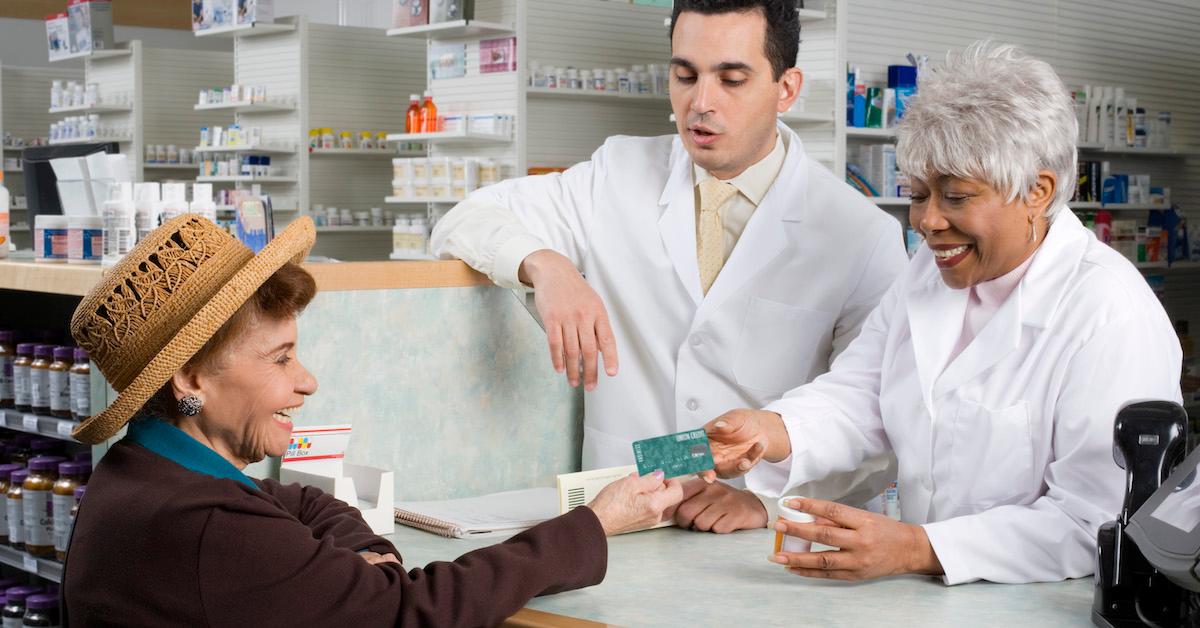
90,23
58,35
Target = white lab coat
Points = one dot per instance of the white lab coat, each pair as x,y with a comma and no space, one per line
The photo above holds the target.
1005,455
813,261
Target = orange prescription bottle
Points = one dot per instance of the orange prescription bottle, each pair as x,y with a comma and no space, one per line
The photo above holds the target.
429,115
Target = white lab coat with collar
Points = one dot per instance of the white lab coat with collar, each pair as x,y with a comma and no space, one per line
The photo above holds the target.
813,260
1005,455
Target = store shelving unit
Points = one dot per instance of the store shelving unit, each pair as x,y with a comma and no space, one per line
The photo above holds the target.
122,50
86,109
24,104
583,94
247,30
318,75
450,137
457,29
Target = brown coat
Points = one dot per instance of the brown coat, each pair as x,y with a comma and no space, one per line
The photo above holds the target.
158,544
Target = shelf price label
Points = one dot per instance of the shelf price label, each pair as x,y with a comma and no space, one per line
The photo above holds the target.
30,564
65,429
30,422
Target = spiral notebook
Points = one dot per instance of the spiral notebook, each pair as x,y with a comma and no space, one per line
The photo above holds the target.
507,512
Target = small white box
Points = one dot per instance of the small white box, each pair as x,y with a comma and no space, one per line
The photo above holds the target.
90,23
58,35
368,489
222,12
251,11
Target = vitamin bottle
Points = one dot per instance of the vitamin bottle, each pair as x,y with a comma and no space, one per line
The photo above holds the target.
7,355
80,378
39,379
60,386
37,505
412,117
71,475
14,608
41,611
22,396
429,115
6,471
13,509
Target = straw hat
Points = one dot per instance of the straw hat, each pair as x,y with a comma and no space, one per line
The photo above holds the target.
158,306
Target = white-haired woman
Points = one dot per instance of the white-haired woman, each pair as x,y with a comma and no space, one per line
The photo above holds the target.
993,367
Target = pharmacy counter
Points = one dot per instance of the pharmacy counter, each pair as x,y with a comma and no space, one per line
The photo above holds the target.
671,577
77,280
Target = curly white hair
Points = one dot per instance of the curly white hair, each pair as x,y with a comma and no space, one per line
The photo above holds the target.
993,114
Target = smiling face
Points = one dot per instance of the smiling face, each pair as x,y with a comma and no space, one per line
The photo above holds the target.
250,394
723,93
974,234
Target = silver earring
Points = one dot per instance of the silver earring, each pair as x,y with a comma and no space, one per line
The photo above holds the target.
190,405
1032,230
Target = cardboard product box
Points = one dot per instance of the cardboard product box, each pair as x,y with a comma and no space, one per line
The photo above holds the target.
251,11
223,12
58,35
410,13
451,10
200,19
90,23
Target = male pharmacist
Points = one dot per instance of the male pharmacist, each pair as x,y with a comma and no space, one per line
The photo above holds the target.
724,264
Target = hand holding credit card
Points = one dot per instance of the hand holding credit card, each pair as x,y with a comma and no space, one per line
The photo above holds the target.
676,454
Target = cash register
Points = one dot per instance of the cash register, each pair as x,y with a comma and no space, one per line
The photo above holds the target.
1148,560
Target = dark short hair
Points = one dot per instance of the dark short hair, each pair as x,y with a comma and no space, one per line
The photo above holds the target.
782,39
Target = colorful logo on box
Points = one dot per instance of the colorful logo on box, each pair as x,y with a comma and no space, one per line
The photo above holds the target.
299,447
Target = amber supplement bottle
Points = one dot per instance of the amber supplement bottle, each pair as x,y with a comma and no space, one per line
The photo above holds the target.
80,377
6,471
71,475
13,509
37,505
60,384
22,396
7,354
39,379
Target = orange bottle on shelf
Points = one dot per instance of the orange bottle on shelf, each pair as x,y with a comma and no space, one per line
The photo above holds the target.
412,119
429,115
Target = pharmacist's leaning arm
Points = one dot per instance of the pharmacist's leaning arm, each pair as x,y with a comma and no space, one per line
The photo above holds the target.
993,368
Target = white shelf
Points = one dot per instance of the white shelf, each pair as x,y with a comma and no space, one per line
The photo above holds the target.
406,200
354,229
246,107
14,149
1129,150
91,140
246,30
598,96
274,210
811,15
92,109
855,131
246,149
94,54
1117,206
463,137
241,179
455,29
151,165
45,568
52,427
890,200
359,152
806,117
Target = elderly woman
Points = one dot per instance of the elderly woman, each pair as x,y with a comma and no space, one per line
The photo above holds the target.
994,366
198,335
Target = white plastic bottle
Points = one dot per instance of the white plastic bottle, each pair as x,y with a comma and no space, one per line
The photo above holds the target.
4,226
120,232
174,201
147,208
202,202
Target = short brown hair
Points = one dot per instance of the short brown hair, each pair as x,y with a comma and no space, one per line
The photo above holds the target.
283,295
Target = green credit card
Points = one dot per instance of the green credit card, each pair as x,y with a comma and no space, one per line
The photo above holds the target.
676,454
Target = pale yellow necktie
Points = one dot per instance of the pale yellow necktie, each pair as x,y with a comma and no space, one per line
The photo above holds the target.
710,233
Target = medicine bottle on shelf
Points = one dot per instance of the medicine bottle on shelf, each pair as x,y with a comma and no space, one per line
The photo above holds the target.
41,611
80,377
14,606
71,475
7,355
22,396
39,379
412,117
6,471
14,509
60,386
429,115
37,505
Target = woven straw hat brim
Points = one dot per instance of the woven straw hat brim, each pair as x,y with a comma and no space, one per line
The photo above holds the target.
292,245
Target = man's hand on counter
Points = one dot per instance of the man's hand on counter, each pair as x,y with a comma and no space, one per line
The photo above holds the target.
739,439
719,508
577,326
872,545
